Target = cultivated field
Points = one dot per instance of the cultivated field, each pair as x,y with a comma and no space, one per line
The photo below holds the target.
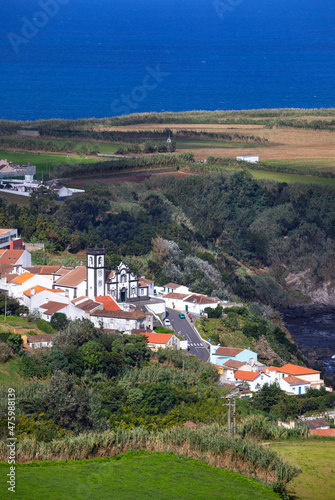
317,461
285,143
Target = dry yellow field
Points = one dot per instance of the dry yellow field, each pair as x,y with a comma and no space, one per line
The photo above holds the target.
285,143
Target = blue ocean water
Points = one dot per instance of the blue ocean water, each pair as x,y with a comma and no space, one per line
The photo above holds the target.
84,58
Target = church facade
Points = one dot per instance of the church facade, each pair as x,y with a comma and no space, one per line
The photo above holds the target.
121,283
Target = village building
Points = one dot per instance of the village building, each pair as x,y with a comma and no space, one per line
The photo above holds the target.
124,321
9,240
175,288
73,282
19,259
160,340
37,341
219,355
311,378
189,302
254,380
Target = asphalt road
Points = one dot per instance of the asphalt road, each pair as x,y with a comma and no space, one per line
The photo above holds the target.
184,328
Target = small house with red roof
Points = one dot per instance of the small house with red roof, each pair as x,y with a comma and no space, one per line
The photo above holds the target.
160,340
219,355
254,380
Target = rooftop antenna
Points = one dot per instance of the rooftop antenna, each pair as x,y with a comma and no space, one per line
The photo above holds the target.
169,143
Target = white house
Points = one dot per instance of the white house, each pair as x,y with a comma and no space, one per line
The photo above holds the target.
74,282
148,284
175,300
294,385
24,282
255,380
196,303
38,341
175,288
290,370
123,321
160,340
34,297
219,355
248,158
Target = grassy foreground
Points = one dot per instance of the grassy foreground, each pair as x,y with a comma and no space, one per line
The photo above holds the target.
316,459
129,476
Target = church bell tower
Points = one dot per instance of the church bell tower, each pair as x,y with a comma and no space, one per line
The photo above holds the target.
95,272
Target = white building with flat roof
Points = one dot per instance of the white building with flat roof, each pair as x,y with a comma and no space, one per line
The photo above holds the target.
248,158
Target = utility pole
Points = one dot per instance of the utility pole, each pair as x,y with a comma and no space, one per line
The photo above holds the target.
230,397
234,416
5,306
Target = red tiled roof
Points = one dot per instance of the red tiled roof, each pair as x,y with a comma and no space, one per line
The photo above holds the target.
23,278
88,305
40,338
228,351
200,299
243,375
38,289
10,277
232,363
109,303
147,282
295,380
73,278
5,268
11,256
172,285
322,432
43,270
176,296
157,338
52,307
63,270
296,370
318,423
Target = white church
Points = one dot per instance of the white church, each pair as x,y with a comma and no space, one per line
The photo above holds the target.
120,283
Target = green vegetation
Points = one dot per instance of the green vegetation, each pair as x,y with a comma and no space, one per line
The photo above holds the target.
207,442
323,180
280,227
9,372
43,160
278,405
140,475
244,327
316,460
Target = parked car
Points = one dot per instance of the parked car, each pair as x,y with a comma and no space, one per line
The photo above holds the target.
167,322
182,315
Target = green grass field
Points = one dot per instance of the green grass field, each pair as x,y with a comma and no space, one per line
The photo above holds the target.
283,177
159,476
305,165
44,160
317,461
8,372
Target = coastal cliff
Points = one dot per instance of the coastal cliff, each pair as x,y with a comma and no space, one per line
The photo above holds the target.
316,298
